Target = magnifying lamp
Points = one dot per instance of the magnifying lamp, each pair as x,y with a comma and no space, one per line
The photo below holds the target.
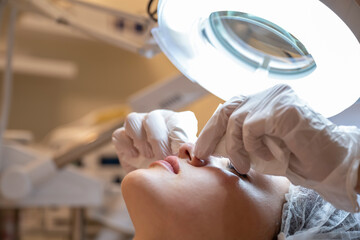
233,47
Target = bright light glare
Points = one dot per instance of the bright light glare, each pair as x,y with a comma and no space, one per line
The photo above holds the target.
329,89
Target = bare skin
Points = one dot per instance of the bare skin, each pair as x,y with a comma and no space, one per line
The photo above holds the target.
203,200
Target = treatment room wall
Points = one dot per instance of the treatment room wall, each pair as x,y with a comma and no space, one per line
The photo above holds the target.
107,75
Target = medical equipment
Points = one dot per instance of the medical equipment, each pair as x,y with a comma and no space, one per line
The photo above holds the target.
124,29
108,21
190,48
234,48
37,177
174,93
30,176
93,29
69,187
18,181
237,47
65,183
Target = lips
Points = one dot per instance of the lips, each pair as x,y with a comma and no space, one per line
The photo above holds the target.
171,163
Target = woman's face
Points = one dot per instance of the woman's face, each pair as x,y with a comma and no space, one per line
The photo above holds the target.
185,198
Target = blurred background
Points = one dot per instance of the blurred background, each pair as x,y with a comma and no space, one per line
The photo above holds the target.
61,77
67,84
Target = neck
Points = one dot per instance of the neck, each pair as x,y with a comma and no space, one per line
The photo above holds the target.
149,231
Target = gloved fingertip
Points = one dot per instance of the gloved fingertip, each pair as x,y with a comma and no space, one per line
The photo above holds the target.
161,155
134,152
149,154
200,153
197,162
164,150
241,163
264,154
147,151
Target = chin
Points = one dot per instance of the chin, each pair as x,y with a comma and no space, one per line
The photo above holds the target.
134,182
143,187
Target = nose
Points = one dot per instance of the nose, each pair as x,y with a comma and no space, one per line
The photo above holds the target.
186,152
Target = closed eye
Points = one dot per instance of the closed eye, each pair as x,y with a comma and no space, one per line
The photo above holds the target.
232,169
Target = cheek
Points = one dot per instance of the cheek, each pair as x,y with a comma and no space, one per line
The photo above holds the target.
145,185
267,195
266,184
190,190
158,187
201,188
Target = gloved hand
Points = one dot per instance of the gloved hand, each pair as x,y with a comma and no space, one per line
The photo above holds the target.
147,137
313,152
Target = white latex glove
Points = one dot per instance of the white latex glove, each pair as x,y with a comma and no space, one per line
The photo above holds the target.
277,133
147,137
